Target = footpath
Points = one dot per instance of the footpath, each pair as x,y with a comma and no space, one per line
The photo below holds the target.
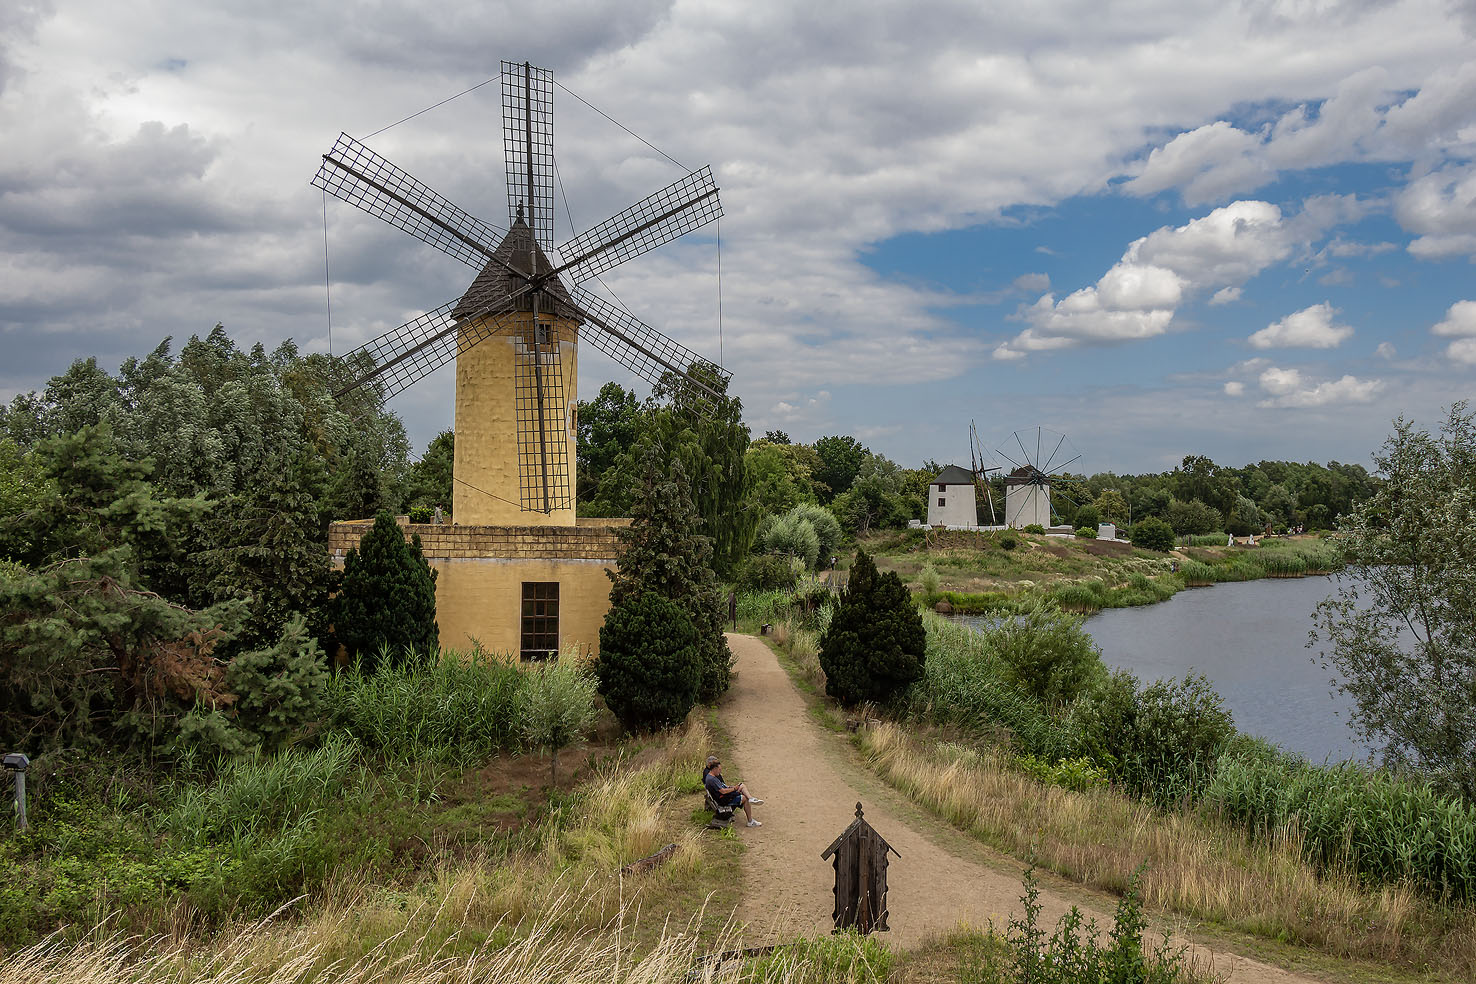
810,783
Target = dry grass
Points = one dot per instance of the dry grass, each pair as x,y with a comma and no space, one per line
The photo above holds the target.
1196,867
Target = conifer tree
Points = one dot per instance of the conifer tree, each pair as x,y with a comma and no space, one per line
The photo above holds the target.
388,601
662,552
875,645
649,669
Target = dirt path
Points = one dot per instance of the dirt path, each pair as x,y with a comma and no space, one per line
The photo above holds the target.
811,785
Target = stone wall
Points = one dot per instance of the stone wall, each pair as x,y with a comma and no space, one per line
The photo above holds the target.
591,539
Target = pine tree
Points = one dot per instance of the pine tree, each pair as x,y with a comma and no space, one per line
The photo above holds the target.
650,668
875,645
388,601
662,552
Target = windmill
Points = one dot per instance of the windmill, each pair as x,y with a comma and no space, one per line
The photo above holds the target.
1042,456
515,332
979,465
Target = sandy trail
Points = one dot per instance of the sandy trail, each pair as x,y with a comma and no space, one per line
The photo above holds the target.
811,784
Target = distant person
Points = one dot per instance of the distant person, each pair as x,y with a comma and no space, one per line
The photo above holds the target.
725,795
1230,542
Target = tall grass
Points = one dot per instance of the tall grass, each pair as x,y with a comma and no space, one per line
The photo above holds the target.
1381,827
1195,865
454,708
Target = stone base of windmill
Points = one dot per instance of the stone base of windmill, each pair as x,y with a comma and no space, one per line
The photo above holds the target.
485,574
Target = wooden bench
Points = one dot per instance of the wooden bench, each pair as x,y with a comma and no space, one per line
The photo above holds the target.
722,816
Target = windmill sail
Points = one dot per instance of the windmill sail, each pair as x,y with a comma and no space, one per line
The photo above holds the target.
686,204
527,139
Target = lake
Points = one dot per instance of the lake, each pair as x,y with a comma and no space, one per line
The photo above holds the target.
1249,638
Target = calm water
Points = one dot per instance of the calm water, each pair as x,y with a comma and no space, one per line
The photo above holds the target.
1249,638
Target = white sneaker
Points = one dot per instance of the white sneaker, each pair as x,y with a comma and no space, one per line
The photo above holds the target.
754,823
756,802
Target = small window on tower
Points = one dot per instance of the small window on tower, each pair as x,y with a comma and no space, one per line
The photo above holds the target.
941,500
540,620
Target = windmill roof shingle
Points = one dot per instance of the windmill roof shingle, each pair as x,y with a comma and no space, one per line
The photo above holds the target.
491,291
953,475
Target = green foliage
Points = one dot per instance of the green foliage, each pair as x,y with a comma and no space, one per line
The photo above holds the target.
1161,740
279,690
1111,507
879,497
1152,534
1086,532
842,958
1405,622
608,428
1374,823
428,481
1089,517
661,552
875,646
764,572
450,708
790,535
928,580
1194,516
827,528
1076,954
1035,528
1046,653
840,462
1079,774
779,475
650,665
1205,539
556,708
387,608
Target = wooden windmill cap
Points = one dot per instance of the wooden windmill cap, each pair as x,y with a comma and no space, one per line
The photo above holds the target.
489,293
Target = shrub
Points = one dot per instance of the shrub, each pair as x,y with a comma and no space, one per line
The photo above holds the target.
388,603
791,535
650,667
1079,774
1008,540
1086,532
279,690
1161,741
827,529
1045,653
1034,528
875,646
1152,534
1089,517
421,514
555,708
928,579
765,572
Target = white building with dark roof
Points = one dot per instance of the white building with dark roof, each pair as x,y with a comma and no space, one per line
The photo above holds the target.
951,500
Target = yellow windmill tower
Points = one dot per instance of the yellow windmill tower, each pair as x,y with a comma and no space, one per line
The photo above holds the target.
518,573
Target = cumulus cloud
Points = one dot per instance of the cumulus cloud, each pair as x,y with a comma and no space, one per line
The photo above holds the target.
1138,297
1234,388
1385,350
1460,323
1032,282
1289,388
1439,208
1226,295
1311,327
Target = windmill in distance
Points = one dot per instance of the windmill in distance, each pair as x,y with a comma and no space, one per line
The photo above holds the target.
515,332
1041,457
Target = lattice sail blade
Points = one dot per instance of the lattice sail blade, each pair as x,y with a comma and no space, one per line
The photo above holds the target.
542,422
397,359
675,210
527,138
642,349
355,174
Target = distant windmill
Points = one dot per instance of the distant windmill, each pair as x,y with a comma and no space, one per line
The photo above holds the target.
1042,456
979,465
532,297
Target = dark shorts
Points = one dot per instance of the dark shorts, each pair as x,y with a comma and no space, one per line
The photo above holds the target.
734,798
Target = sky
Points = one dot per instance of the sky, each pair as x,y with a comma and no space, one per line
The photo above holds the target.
1159,227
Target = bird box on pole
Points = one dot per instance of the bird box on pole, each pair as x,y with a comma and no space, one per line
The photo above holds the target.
860,860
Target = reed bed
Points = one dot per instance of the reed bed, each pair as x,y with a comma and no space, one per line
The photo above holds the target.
1196,865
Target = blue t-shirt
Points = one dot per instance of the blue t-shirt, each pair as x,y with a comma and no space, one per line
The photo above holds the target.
714,783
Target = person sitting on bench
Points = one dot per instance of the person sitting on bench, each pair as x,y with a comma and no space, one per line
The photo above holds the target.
729,796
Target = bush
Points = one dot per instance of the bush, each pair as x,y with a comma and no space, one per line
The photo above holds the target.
279,690
1008,540
1045,653
875,646
928,579
791,535
1152,534
650,666
1089,517
827,529
765,572
1086,532
1161,741
555,708
1034,528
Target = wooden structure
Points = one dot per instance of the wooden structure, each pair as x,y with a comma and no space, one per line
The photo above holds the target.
860,860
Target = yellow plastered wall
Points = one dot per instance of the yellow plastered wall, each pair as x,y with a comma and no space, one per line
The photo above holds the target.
481,599
486,491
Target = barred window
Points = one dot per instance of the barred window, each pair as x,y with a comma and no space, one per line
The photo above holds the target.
540,620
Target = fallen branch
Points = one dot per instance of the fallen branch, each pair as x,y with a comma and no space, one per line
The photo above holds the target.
646,864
